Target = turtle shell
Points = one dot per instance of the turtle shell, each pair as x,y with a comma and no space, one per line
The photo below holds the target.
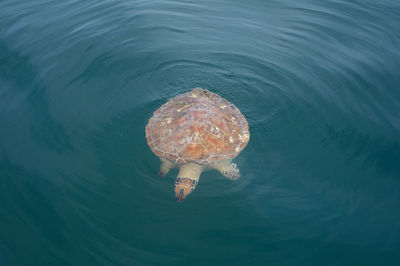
198,126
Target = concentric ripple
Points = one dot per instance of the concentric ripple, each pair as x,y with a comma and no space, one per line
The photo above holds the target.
318,82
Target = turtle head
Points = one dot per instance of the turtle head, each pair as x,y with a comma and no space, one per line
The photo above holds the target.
183,187
187,180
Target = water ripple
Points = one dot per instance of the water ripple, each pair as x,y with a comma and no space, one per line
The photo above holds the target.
317,82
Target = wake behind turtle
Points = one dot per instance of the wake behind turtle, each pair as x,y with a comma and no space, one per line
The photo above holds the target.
196,131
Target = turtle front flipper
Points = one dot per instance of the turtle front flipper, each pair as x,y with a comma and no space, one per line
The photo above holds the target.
165,167
187,180
228,169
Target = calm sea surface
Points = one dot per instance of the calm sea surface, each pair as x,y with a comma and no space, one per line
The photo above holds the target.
318,81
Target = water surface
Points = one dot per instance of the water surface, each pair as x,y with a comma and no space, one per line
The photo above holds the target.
318,82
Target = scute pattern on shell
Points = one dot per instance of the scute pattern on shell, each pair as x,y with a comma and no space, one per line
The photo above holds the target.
198,126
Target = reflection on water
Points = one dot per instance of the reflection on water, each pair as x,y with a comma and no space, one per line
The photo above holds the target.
317,82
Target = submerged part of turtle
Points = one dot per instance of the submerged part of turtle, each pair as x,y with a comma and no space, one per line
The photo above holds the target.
195,131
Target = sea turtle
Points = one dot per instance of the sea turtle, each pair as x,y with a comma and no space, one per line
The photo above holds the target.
195,131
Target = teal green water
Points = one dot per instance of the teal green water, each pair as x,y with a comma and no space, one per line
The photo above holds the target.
318,81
